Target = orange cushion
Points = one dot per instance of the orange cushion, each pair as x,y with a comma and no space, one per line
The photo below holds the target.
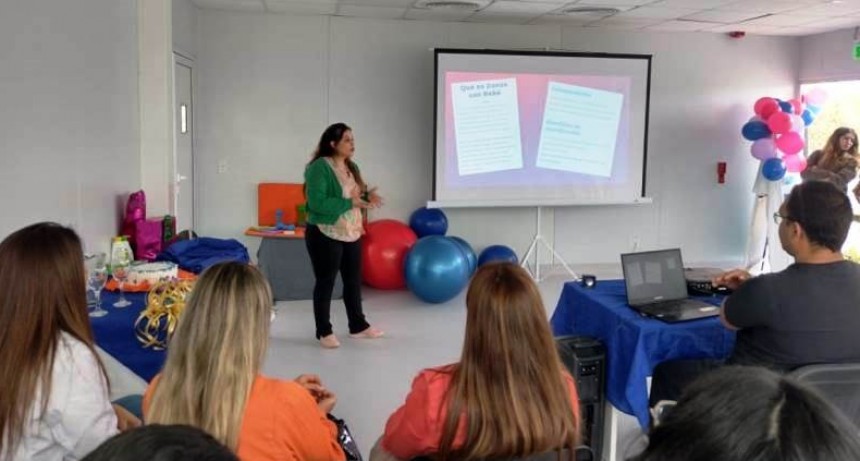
274,196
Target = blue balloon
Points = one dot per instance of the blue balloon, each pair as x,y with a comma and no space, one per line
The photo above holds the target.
808,117
436,269
469,252
773,169
428,221
814,109
753,131
786,106
497,253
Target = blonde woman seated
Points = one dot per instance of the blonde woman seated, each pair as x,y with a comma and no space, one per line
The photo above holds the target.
211,379
508,396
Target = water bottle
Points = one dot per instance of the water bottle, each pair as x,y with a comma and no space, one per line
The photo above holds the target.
120,251
168,228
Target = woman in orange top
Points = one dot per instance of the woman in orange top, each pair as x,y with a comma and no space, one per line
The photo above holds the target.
507,397
211,379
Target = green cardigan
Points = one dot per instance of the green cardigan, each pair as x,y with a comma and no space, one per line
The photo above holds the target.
324,194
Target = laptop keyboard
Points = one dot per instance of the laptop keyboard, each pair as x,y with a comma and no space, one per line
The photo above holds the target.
667,306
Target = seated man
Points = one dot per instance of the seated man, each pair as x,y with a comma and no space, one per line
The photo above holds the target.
808,313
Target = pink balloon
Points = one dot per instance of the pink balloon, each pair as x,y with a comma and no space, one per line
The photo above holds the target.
816,97
797,106
779,122
794,163
791,143
764,107
797,124
763,148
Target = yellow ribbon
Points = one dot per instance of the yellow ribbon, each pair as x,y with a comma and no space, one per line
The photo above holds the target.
165,302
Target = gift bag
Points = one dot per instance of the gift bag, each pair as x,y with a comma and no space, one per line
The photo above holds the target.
135,211
344,438
148,239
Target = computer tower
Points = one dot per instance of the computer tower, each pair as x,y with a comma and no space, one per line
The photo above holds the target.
585,359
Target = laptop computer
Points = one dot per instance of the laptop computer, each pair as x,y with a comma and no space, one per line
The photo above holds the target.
656,287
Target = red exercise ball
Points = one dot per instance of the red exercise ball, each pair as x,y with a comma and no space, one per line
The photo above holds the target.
383,250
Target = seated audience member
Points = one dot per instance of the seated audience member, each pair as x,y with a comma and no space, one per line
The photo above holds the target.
54,391
508,396
751,414
805,314
211,379
162,443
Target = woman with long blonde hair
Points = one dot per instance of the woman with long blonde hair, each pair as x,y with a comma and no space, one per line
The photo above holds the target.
211,379
508,396
54,390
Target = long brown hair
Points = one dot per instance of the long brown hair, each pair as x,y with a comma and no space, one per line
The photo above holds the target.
509,384
325,148
42,294
832,157
216,353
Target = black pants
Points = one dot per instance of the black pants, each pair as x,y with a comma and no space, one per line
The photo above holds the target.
671,378
328,256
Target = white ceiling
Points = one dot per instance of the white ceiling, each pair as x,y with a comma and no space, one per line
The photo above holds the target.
765,17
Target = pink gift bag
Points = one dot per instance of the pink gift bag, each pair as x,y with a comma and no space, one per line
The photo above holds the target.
135,211
148,240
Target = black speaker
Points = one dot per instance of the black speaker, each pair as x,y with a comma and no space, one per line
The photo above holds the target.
585,359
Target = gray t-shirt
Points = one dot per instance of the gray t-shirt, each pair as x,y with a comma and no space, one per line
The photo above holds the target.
806,314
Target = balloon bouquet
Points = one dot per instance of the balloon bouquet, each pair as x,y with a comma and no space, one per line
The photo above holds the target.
776,131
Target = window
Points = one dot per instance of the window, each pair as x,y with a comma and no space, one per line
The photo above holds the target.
842,109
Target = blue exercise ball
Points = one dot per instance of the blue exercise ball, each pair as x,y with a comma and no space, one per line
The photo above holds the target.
470,253
428,221
497,253
436,269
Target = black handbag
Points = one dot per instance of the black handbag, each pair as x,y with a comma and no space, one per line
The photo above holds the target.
344,438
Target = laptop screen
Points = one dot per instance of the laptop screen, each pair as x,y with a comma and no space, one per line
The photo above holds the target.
654,276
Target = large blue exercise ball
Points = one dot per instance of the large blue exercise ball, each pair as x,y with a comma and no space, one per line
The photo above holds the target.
428,221
436,269
470,253
497,253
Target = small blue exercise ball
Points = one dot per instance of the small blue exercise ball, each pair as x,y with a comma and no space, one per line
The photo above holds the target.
428,221
497,253
436,269
470,253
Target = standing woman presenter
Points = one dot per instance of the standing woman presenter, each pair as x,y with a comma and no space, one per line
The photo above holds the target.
336,198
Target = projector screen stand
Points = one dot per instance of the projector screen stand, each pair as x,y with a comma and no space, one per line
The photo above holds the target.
533,247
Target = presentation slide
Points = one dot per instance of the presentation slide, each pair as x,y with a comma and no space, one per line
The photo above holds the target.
487,126
579,129
551,130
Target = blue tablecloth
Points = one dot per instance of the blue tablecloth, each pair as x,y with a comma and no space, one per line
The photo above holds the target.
635,344
115,334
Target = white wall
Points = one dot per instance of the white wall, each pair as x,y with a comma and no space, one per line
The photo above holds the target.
68,114
184,28
829,56
268,85
155,86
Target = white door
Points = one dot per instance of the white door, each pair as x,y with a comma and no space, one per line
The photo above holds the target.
183,188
